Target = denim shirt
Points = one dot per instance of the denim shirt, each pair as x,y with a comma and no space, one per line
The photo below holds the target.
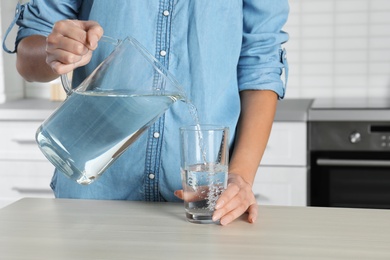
215,49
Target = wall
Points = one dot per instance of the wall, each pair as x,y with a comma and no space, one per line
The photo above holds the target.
339,48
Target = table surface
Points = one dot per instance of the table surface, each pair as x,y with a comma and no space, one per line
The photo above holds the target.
89,229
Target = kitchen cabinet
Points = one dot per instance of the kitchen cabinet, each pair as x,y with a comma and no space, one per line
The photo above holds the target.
24,171
284,186
281,178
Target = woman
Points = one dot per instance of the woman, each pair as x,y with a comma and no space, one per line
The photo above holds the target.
226,54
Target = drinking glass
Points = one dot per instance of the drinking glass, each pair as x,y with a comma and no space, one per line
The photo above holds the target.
204,169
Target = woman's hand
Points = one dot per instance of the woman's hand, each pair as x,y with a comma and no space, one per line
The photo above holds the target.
237,199
70,44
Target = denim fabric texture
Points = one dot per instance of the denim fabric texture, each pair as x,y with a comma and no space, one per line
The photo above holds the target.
215,49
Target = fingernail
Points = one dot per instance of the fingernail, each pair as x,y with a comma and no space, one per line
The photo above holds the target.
93,41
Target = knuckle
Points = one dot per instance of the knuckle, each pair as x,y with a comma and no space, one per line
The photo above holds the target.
232,185
99,30
235,187
79,48
51,39
73,58
60,25
65,59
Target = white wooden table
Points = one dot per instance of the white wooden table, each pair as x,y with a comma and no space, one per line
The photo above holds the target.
81,229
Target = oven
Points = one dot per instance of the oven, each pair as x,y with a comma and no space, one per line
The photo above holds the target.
349,159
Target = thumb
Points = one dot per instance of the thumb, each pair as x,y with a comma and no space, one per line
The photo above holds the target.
94,33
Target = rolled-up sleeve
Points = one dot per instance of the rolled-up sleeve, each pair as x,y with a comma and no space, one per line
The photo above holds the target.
39,16
262,60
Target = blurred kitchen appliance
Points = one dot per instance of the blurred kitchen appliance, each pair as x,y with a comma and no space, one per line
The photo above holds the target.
349,149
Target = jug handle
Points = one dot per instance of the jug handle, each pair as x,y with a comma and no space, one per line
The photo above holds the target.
66,84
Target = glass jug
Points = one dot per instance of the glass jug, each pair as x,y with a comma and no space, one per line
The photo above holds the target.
106,113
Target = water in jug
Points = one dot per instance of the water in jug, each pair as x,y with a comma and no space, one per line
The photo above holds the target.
106,113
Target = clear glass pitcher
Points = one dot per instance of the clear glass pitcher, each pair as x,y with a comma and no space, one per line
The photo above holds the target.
106,113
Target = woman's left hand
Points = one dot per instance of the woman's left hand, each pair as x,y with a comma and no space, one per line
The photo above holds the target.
237,199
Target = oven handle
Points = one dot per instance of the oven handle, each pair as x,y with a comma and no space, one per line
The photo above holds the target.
369,163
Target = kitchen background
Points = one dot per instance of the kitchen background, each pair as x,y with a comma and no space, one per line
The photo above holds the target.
337,48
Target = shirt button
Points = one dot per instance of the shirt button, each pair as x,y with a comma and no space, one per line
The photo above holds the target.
163,53
166,13
151,176
156,135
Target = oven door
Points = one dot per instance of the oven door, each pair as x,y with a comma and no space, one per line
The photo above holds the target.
350,179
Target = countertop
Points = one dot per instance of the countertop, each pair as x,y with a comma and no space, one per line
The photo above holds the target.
40,109
82,229
350,109
293,110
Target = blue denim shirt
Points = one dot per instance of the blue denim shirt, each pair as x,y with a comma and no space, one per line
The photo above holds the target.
215,49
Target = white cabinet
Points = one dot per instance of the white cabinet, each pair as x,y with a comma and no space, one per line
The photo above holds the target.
24,171
281,178
281,186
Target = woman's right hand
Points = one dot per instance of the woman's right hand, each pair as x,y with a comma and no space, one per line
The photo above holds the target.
71,43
